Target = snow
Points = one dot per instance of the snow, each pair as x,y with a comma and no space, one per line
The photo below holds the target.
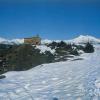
17,41
47,41
69,80
44,48
2,39
12,41
80,51
85,39
80,39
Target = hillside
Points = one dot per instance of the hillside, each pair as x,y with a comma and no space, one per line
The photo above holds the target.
51,71
25,56
72,80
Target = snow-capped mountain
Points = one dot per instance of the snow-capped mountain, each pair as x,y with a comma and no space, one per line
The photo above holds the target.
17,41
13,41
78,40
45,41
85,39
81,39
3,41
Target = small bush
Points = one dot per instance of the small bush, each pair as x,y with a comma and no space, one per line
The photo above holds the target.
88,48
74,52
61,44
53,45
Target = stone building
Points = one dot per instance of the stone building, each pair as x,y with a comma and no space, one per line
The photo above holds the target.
36,40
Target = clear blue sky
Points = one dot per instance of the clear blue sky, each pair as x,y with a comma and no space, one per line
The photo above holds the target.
52,19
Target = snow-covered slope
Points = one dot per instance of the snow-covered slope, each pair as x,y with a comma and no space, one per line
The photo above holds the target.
70,80
44,48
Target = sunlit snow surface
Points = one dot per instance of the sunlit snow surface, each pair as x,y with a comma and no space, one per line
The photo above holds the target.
70,80
44,48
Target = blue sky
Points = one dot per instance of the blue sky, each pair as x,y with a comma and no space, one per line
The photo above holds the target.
52,19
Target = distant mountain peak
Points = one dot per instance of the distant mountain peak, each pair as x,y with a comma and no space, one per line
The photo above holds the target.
79,39
85,38
2,39
13,41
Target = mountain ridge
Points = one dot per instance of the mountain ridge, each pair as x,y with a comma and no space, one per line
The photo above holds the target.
79,39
